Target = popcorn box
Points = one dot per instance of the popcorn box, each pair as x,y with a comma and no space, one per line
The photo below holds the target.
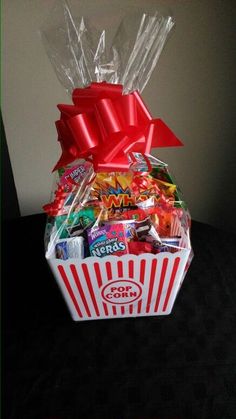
126,286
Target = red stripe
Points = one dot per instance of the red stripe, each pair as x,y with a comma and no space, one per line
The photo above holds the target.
114,310
80,289
142,271
131,268
152,278
171,283
120,268
98,274
141,279
131,309
69,289
162,279
86,274
122,310
108,268
105,309
139,306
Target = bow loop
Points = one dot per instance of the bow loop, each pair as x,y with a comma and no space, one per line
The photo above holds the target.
84,134
107,117
103,126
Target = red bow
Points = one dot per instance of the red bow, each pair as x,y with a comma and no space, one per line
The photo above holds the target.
103,126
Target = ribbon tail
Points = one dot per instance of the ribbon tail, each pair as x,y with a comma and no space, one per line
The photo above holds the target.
163,136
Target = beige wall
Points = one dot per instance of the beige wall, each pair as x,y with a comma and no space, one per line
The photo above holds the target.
192,89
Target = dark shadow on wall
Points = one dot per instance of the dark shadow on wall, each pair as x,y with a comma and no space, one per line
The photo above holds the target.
9,202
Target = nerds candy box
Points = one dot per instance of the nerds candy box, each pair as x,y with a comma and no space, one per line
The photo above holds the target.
107,240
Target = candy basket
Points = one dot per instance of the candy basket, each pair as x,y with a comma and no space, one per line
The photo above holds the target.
110,128
126,286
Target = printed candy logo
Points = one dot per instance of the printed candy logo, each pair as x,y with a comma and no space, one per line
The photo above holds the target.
121,292
75,174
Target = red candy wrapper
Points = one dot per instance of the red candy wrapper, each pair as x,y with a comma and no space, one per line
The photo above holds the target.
120,203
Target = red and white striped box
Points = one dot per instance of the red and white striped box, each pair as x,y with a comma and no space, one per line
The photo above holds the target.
126,286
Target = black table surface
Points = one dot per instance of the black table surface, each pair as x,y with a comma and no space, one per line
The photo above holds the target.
180,366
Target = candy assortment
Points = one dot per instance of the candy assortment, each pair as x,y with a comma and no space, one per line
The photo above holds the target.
130,212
